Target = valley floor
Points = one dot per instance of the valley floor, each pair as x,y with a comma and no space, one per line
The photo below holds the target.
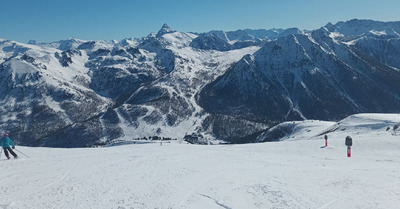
287,174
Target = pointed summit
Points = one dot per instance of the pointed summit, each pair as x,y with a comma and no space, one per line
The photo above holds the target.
164,30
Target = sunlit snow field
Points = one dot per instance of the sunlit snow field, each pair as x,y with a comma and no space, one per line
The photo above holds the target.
295,173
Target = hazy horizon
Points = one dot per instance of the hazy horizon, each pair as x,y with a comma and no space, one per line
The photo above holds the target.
47,20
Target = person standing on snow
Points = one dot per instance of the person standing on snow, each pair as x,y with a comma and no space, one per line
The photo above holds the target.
7,143
348,142
326,140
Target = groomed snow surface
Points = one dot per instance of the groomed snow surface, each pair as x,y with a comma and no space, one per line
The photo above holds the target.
286,174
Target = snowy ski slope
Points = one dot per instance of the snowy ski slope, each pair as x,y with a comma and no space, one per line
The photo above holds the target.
287,174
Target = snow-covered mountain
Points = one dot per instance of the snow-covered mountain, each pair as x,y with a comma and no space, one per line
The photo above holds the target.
222,86
314,75
224,41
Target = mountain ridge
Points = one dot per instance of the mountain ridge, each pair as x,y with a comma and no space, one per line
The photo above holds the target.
223,86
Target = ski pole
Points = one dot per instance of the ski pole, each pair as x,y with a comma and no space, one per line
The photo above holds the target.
1,152
22,153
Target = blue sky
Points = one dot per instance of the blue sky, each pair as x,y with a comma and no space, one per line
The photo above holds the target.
52,20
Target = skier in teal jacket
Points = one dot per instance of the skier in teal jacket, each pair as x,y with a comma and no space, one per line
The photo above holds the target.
7,143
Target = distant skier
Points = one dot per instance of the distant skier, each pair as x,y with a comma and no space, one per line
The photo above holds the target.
348,143
7,144
326,140
394,129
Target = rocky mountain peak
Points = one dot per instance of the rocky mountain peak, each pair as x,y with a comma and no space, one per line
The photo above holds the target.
164,30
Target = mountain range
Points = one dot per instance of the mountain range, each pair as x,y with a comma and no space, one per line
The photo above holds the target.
218,86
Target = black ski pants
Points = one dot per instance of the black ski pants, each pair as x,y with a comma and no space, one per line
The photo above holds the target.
11,151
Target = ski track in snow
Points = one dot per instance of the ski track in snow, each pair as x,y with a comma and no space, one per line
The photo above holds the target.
360,195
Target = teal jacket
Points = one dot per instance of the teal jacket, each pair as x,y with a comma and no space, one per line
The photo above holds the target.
6,142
